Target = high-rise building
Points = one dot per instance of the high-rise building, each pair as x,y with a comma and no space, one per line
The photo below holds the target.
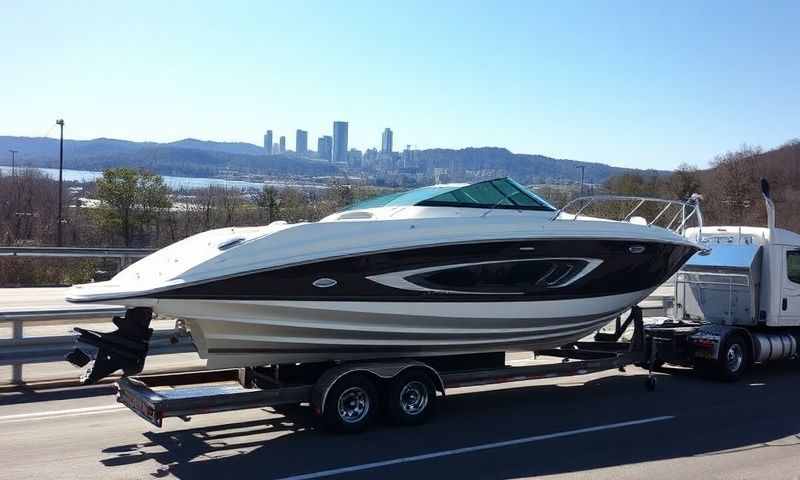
370,156
301,142
354,157
407,158
282,141
268,143
276,148
339,142
386,141
324,147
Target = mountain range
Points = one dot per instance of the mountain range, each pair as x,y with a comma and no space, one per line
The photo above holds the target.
199,158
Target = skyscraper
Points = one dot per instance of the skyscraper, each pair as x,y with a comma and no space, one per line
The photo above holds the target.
386,141
370,156
301,142
268,143
282,141
339,142
324,147
407,157
354,157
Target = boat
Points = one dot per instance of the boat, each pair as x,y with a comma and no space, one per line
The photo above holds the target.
439,270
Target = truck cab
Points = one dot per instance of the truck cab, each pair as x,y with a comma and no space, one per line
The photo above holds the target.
737,301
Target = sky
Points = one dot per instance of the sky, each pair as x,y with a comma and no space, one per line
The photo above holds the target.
645,84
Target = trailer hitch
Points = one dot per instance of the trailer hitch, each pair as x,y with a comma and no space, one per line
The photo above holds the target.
123,349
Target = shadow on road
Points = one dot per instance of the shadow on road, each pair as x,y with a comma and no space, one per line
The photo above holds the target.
711,419
26,394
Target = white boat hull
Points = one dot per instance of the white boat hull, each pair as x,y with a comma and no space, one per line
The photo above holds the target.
249,333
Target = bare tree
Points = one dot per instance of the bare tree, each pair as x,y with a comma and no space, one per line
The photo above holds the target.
684,181
733,184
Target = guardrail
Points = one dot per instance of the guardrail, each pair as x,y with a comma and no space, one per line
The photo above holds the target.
20,350
126,256
75,252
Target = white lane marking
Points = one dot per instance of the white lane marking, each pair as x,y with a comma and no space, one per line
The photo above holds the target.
475,448
59,413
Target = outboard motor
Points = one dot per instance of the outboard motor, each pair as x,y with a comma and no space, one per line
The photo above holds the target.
123,349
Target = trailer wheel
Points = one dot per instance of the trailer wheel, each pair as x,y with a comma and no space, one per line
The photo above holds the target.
734,358
351,404
411,398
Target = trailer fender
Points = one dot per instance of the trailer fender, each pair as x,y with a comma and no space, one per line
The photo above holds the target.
380,370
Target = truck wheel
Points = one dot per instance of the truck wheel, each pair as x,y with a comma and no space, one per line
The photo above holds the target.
734,358
411,398
351,404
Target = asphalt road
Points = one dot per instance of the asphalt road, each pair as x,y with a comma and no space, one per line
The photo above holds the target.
594,426
39,298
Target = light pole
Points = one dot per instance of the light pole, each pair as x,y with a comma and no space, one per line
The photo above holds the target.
582,167
13,165
60,123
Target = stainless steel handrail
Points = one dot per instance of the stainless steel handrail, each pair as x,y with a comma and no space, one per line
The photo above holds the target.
686,210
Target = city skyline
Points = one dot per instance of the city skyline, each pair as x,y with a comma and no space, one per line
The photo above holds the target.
301,142
631,84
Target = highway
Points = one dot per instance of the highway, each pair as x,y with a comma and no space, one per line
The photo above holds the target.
39,298
596,426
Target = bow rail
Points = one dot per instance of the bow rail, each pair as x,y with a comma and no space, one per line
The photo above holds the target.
673,215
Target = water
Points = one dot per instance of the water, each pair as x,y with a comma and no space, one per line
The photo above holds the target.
174,183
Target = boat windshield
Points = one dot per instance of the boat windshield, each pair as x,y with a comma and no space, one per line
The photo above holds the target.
502,193
498,193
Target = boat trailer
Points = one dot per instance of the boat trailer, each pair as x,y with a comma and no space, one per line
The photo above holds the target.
156,397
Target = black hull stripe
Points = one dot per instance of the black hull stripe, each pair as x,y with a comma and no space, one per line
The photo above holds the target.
620,272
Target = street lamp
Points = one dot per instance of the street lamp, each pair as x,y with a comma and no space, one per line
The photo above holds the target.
13,165
60,123
583,168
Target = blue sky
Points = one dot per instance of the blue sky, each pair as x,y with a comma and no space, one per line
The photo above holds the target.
638,84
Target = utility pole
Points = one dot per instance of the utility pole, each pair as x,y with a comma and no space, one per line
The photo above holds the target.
13,165
60,123
583,168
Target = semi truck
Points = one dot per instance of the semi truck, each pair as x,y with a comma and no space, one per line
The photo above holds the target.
736,302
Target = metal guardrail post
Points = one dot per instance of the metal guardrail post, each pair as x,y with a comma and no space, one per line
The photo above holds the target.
16,369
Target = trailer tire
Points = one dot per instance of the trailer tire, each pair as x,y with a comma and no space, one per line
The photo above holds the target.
351,404
734,359
411,398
